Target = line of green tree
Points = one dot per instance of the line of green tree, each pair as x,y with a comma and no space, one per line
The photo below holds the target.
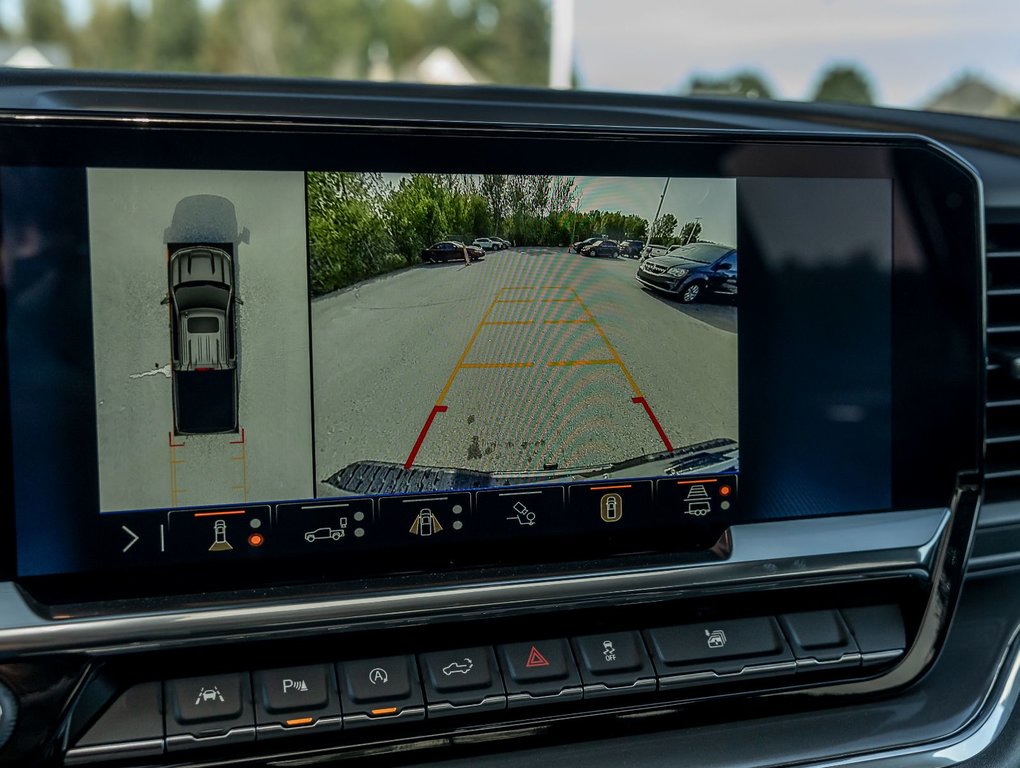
506,40
360,225
844,83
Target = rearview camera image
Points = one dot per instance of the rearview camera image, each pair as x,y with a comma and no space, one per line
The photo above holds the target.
200,328
490,330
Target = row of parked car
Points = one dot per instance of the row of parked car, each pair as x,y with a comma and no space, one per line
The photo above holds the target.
599,246
687,273
454,250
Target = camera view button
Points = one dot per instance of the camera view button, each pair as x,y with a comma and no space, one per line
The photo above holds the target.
527,511
611,504
307,528
697,500
426,520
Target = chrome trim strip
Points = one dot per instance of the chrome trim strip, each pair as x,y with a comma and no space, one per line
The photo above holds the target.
359,719
443,708
121,751
787,551
243,734
649,684
573,693
752,670
846,660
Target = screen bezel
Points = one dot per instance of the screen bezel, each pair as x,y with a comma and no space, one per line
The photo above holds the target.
927,179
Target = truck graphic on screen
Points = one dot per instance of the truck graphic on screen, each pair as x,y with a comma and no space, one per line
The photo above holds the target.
201,247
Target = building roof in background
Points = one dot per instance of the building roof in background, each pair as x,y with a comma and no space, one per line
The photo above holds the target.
440,66
34,56
974,95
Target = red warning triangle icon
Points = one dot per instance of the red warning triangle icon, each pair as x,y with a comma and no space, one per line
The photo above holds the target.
536,659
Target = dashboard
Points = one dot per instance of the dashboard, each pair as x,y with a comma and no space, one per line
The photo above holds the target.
341,426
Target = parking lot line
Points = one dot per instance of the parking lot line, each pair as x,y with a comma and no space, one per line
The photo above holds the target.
464,354
609,345
175,492
497,365
589,318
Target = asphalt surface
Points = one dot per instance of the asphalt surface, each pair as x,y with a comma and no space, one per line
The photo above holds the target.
141,465
531,358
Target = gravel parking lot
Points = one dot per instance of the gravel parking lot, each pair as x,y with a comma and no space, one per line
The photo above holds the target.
531,358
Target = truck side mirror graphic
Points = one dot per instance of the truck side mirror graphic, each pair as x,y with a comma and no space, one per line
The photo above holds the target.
244,236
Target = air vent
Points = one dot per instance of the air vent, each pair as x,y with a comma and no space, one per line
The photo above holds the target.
1003,441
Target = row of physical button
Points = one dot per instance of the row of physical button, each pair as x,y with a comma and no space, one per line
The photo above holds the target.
221,708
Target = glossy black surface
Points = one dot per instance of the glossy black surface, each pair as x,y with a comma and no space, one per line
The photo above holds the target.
776,482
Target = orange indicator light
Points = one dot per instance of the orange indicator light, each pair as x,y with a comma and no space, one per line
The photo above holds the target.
385,711
300,721
256,540
725,490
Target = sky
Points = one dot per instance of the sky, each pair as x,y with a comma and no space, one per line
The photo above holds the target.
911,48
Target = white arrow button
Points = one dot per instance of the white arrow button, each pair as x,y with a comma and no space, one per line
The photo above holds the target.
132,534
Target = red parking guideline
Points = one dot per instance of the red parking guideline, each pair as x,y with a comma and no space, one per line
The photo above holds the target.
655,422
421,435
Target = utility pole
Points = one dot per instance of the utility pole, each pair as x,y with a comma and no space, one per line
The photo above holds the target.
658,210
690,234
561,56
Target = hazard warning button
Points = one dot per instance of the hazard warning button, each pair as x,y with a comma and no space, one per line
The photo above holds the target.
539,672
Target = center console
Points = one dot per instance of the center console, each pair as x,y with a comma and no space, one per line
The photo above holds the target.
331,434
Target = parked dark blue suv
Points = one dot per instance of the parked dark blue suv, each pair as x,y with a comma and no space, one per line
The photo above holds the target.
688,273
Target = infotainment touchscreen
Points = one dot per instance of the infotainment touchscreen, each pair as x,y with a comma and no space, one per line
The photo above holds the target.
496,331
375,369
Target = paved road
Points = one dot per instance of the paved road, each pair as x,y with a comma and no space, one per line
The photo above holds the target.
533,357
128,212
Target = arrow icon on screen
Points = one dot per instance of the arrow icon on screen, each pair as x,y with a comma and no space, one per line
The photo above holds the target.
132,534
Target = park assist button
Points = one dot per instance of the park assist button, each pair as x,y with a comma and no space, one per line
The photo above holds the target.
692,654
295,698
466,679
537,672
219,535
215,709
611,505
425,520
382,689
614,663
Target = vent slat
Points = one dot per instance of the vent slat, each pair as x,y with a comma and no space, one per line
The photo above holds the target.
1002,442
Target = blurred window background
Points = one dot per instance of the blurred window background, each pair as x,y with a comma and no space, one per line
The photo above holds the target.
947,55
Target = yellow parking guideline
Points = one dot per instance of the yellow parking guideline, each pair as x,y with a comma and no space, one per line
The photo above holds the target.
609,345
562,363
464,354
497,365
